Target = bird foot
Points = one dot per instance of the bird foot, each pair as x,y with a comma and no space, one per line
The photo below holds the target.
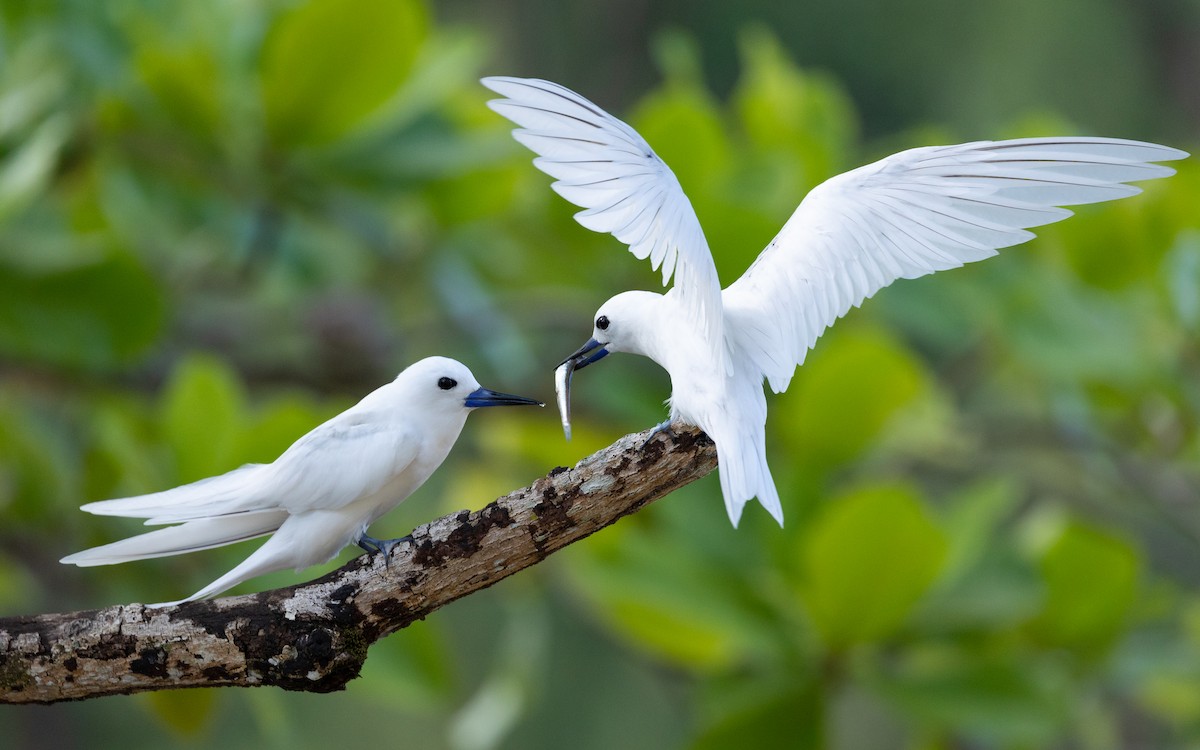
386,546
661,427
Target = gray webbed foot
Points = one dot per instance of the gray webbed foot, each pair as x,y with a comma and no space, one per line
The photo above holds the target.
386,546
661,427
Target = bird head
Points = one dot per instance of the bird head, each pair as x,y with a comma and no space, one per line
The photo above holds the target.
620,325
445,384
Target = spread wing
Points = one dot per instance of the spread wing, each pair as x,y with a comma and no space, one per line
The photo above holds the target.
602,165
913,213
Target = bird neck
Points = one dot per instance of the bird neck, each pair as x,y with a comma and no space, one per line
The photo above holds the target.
651,338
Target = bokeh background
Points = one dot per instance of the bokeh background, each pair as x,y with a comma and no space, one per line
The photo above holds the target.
224,221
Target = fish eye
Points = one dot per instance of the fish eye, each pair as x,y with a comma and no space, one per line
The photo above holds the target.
447,383
602,322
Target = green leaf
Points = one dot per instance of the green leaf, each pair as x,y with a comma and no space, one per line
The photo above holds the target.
184,712
33,79
973,520
92,315
662,619
1114,245
788,111
999,591
1181,275
792,719
275,426
37,471
26,172
1091,579
852,384
185,83
985,584
1003,700
414,668
121,460
671,632
1175,697
867,562
17,584
689,612
1067,332
201,415
328,65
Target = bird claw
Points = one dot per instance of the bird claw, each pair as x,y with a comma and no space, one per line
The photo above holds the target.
661,427
386,546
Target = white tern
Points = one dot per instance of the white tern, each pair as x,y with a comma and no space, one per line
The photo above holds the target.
323,492
910,214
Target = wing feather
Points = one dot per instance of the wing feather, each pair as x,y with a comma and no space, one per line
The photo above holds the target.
343,460
603,166
916,212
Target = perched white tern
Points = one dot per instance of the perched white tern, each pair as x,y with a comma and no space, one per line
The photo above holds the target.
323,492
910,214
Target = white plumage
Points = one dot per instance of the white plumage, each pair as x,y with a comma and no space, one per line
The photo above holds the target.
910,214
323,492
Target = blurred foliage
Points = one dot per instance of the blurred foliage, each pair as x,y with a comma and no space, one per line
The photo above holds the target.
223,222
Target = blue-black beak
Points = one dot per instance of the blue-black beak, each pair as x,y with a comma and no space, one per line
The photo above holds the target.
581,359
484,397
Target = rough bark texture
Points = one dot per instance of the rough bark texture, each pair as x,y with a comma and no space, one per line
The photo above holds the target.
315,636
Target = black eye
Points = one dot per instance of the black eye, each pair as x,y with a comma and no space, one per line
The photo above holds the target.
447,383
602,322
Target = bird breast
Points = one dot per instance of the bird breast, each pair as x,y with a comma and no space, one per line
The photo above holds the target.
698,380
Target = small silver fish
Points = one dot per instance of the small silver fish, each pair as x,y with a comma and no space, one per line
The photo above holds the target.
562,389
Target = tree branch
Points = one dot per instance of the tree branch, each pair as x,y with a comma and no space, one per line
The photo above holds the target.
314,636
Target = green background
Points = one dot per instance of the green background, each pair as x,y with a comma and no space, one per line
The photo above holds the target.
222,222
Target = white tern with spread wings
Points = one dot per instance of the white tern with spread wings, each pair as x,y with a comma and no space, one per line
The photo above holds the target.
919,211
323,492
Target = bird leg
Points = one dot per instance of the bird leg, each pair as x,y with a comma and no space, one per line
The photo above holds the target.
386,546
661,427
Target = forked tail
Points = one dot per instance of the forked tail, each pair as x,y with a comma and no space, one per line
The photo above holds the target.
744,475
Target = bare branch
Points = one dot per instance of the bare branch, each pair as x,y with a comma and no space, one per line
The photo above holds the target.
315,636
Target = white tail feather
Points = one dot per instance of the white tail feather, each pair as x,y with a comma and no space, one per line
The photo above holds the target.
204,533
744,476
733,505
264,560
277,553
215,496
767,495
